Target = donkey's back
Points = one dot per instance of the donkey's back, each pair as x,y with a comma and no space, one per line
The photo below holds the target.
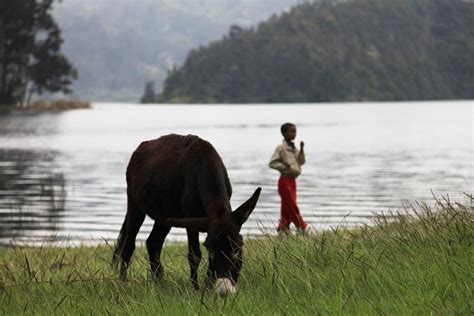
169,173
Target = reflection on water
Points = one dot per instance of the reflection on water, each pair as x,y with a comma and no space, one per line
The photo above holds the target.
32,195
62,175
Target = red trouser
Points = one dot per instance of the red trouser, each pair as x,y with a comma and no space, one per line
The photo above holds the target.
290,212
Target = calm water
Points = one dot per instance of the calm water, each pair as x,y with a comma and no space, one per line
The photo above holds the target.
62,175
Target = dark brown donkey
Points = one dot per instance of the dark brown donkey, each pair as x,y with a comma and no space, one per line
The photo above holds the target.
181,181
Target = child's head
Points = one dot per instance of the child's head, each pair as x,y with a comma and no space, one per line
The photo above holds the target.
288,130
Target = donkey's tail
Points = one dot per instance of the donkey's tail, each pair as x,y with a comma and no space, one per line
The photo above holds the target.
120,245
126,240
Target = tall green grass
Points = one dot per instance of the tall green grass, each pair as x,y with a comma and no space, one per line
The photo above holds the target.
405,264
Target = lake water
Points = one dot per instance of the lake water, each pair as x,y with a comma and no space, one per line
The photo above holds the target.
62,175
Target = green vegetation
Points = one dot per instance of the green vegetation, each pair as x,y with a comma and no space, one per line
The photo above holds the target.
149,93
405,264
330,50
31,60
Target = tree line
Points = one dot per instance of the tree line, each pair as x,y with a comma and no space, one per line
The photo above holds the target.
30,52
332,51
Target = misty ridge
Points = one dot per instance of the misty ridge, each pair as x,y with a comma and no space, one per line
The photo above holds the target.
117,46
270,51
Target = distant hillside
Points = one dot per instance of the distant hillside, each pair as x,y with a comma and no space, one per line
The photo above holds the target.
117,46
337,51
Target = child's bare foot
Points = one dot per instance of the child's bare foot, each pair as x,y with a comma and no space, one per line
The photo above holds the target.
304,231
283,231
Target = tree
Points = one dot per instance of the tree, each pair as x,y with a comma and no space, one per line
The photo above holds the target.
30,51
149,93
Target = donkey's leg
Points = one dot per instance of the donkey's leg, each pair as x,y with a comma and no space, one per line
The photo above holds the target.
154,243
126,241
210,276
194,256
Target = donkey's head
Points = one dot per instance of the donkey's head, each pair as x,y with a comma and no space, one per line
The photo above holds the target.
223,243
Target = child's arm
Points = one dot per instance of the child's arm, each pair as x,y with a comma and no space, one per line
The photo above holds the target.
301,156
275,161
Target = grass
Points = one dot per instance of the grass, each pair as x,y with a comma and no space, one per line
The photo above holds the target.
418,264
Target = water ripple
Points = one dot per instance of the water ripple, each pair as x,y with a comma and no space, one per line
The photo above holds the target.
60,183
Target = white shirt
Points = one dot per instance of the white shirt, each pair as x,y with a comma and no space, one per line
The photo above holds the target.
288,160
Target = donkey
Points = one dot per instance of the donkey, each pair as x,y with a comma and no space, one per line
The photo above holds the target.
181,181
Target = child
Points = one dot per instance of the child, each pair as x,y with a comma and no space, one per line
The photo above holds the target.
288,160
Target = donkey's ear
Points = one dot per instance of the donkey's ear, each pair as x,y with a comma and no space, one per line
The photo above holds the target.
200,224
241,214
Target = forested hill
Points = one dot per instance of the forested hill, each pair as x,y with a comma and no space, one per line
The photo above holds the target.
337,51
117,45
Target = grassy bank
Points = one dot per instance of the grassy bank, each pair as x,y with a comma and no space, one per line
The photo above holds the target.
47,106
58,105
408,265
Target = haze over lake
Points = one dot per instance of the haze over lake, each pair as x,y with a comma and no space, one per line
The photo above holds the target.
62,175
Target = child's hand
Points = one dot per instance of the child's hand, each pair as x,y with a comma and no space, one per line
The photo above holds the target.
302,145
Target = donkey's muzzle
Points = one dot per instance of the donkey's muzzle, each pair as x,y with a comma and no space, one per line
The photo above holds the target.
225,286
